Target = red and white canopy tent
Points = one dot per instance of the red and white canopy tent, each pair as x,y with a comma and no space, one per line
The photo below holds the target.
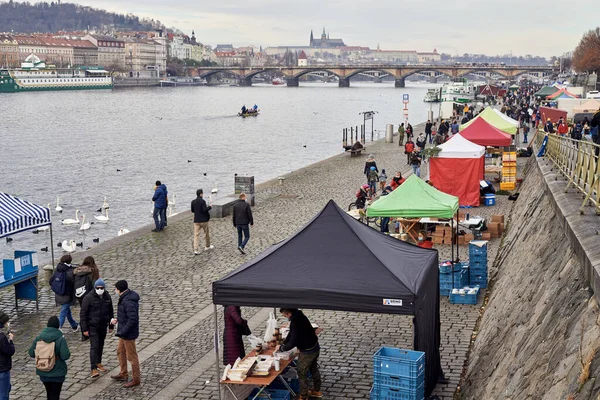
458,169
484,134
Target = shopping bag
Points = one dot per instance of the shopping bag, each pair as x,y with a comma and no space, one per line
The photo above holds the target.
254,341
271,325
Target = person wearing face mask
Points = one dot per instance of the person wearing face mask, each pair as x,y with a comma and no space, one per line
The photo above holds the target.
95,318
7,349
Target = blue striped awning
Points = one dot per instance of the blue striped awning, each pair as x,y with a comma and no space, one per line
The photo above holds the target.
17,215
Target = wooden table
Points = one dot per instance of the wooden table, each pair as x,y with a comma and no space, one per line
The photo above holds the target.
407,224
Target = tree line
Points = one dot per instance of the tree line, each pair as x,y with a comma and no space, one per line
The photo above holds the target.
586,56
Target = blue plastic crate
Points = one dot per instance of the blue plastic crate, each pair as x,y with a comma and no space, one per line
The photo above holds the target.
489,199
448,277
478,258
398,382
475,264
275,394
386,393
399,362
445,267
474,249
457,298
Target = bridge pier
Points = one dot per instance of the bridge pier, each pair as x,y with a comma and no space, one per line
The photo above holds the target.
344,82
400,83
292,82
247,81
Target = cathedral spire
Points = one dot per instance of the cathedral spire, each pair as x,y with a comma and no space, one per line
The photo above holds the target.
311,38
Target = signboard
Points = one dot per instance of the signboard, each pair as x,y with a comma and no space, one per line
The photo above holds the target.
245,184
368,115
405,98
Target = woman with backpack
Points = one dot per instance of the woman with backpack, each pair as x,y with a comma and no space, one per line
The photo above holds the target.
50,351
85,276
61,283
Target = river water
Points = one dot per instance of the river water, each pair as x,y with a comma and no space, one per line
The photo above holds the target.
71,144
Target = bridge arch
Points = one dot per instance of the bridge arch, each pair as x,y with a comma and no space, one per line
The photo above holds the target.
208,73
355,72
416,71
493,71
308,71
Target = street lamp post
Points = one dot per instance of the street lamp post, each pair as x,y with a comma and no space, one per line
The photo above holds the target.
130,63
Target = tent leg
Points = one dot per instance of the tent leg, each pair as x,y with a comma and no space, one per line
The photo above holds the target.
52,246
218,369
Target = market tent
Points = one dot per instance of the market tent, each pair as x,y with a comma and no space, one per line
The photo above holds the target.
514,87
458,168
338,263
18,215
488,90
546,91
484,134
506,117
561,94
414,199
494,119
553,113
588,106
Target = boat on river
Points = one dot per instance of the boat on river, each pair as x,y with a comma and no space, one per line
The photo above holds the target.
458,92
35,75
248,114
432,96
278,81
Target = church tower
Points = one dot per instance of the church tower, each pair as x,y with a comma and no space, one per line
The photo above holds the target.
323,38
312,38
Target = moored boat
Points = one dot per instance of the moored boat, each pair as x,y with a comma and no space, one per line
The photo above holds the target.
432,96
278,81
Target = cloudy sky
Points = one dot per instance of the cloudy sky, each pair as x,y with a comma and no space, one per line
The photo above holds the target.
539,27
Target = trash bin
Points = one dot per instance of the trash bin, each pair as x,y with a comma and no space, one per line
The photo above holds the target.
389,133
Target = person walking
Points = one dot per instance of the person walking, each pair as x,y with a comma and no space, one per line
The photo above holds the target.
409,147
7,349
242,220
415,162
201,217
160,206
128,329
368,164
85,276
428,131
62,283
95,317
51,342
235,328
401,134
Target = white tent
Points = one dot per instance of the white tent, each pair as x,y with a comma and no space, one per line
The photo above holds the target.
506,117
588,106
459,147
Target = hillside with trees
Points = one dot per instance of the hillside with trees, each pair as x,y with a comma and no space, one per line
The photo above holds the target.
586,56
55,16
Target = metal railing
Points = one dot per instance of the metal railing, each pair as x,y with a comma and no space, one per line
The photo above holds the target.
577,161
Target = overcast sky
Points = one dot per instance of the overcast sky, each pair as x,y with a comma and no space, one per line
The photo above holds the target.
539,27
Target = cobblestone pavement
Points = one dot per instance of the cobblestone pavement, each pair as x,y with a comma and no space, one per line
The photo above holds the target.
175,285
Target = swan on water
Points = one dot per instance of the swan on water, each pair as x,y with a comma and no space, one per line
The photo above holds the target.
84,225
69,246
105,204
123,231
70,221
102,218
58,207
215,189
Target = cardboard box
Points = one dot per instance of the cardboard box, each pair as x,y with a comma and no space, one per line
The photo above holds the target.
469,237
493,226
461,239
495,234
486,236
498,218
501,228
438,240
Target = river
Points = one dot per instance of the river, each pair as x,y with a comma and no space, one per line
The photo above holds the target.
71,144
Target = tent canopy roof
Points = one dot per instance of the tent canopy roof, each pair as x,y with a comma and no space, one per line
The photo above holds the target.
589,105
562,94
459,147
17,215
494,119
485,134
414,199
333,263
546,91
506,117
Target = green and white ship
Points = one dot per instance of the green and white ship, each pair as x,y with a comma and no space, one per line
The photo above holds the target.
34,75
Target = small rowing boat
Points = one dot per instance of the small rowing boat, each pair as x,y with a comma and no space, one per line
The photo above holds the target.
244,115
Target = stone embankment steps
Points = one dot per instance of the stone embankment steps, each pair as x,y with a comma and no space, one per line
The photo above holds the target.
541,326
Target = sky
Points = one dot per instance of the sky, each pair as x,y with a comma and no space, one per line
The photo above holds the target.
538,27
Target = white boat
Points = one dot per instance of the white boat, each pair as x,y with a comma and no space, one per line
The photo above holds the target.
278,81
592,94
432,96
458,92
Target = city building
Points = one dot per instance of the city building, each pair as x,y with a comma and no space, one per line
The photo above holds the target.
302,59
111,51
429,58
9,51
30,45
140,58
393,56
85,53
325,41
179,47
59,52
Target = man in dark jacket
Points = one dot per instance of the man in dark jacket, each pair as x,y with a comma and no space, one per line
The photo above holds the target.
67,298
160,206
128,329
242,218
302,335
95,317
201,217
7,349
428,126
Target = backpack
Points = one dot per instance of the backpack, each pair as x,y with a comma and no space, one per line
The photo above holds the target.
58,283
83,286
45,356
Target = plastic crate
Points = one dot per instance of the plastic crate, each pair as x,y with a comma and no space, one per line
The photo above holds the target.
478,266
477,250
386,393
446,266
465,298
508,185
275,394
398,382
479,280
399,362
489,200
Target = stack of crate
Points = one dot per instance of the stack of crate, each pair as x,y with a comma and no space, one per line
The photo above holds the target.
478,264
398,374
509,170
452,277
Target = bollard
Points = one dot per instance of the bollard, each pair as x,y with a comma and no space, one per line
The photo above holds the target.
389,133
281,179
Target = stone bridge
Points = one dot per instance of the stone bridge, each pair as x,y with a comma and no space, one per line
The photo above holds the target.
345,72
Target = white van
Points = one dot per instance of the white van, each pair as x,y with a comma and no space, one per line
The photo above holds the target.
592,94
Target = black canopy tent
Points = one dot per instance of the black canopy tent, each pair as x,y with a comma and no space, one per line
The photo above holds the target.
337,263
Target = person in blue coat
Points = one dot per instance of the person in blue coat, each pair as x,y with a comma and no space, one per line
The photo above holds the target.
160,206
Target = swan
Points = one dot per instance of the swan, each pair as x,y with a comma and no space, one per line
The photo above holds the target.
70,221
102,218
215,189
58,207
123,231
105,204
69,246
84,225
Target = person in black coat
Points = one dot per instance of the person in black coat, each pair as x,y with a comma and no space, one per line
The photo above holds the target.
201,217
242,218
95,318
368,164
65,300
128,329
7,349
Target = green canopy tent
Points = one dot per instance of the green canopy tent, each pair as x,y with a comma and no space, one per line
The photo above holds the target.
494,119
546,91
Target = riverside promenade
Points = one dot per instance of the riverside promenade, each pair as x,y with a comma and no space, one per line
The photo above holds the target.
176,321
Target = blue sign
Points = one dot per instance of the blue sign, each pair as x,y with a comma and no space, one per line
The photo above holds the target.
405,97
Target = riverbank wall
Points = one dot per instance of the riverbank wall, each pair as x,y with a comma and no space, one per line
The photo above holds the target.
539,335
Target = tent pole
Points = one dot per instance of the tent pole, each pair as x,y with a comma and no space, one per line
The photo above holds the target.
52,246
218,369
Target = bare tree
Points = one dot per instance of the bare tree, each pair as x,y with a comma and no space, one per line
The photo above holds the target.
586,56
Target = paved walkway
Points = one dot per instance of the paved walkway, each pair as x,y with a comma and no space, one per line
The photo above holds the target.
176,340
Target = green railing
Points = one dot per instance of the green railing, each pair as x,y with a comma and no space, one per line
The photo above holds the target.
577,161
